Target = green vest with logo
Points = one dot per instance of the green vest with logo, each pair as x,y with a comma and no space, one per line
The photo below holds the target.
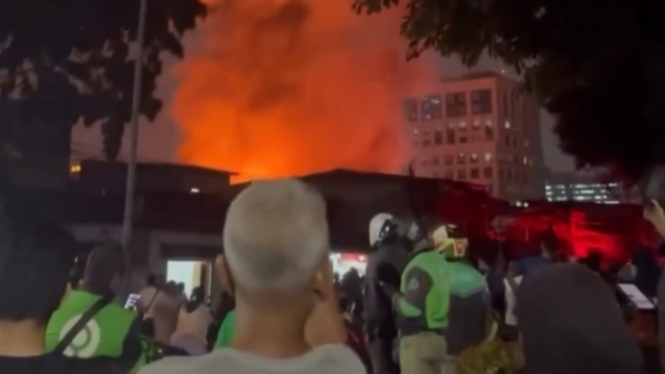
103,335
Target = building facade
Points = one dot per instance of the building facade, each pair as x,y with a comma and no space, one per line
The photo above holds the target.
584,188
481,128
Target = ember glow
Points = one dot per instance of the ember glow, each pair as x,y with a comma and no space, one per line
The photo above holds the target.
291,87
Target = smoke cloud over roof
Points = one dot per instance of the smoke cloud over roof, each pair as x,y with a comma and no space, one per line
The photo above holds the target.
291,87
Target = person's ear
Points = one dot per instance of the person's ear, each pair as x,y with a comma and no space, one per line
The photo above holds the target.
224,275
323,279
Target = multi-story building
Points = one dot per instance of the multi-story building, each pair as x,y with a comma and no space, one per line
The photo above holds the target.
584,188
481,128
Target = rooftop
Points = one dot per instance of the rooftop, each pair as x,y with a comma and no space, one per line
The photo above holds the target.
478,75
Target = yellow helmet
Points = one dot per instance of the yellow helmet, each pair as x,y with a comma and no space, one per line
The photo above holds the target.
447,240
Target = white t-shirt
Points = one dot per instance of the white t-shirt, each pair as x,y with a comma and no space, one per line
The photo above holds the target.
327,359
195,323
511,301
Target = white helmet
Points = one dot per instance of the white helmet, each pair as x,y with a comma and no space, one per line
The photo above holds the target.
376,225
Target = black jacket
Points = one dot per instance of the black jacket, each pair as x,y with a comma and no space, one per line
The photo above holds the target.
385,265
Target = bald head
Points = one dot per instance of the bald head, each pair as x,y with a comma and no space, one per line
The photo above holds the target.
276,236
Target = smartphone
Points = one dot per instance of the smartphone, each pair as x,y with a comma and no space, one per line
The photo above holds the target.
636,297
132,301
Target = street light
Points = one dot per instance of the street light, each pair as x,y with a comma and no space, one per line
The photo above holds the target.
128,216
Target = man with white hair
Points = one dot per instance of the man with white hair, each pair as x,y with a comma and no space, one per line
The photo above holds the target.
276,263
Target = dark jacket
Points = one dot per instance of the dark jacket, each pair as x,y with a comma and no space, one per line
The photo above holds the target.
469,307
385,265
571,323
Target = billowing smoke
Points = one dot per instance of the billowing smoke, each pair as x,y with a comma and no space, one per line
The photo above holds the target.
291,87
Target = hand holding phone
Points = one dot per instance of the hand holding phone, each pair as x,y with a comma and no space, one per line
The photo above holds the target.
636,297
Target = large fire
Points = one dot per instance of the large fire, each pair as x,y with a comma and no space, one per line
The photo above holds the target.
291,87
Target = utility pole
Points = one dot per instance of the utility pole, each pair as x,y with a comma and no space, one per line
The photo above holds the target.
128,216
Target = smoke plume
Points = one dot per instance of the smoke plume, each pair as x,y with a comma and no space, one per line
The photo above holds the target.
291,87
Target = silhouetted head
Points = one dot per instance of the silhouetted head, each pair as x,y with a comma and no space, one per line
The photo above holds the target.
197,299
548,245
104,269
35,261
151,280
570,322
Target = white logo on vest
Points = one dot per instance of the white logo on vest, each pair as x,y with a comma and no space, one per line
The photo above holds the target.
86,342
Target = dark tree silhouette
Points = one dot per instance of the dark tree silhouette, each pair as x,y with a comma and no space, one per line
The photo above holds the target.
598,66
66,60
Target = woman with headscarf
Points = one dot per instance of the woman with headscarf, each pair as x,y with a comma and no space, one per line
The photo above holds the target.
570,322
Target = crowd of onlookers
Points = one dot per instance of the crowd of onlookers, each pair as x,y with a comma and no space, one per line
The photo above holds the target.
423,306
546,312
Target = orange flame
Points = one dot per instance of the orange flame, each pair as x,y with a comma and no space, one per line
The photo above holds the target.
292,87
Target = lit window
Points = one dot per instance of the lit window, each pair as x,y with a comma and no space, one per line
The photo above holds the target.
462,125
415,131
474,158
461,159
525,160
431,108
75,168
194,190
488,156
507,124
476,123
488,122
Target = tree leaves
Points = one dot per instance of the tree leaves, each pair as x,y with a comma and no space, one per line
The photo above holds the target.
81,48
598,66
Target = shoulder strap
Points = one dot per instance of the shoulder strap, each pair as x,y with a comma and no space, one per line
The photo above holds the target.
80,324
154,297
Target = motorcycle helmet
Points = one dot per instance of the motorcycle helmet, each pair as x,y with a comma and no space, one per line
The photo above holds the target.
448,240
382,227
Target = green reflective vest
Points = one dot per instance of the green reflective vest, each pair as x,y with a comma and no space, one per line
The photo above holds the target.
226,331
104,334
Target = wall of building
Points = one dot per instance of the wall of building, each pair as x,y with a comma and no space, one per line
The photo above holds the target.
585,188
482,129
